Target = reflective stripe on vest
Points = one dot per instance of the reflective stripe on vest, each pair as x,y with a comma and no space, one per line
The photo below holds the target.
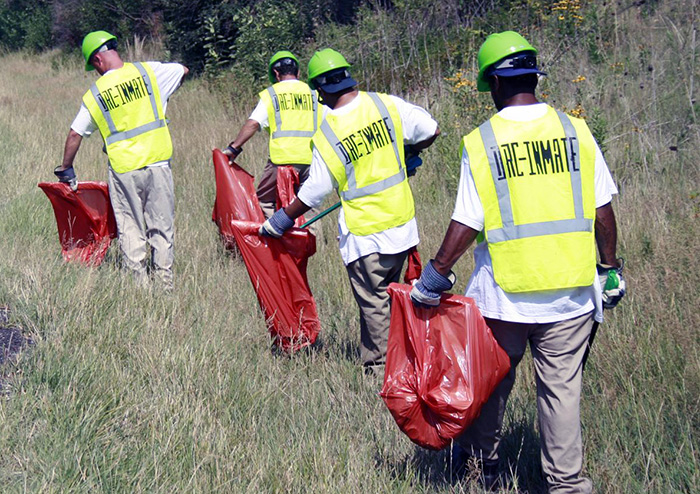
509,230
353,191
115,136
278,118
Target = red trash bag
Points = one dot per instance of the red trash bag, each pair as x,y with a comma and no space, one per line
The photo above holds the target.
85,220
235,198
442,365
277,267
287,185
414,267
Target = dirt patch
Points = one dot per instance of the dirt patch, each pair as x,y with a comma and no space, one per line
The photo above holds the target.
12,341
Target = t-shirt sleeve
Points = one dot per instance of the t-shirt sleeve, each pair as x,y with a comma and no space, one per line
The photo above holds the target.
83,123
416,122
169,77
260,115
318,185
468,209
604,185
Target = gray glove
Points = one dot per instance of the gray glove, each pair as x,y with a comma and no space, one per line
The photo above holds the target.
613,284
429,287
276,225
67,176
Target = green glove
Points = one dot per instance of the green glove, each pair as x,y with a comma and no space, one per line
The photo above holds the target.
614,286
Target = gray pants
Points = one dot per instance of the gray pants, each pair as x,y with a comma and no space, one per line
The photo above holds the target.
369,278
144,208
557,351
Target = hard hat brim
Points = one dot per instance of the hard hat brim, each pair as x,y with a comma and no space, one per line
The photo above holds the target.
482,83
346,83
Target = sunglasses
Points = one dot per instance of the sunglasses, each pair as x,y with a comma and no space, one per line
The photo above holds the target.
330,78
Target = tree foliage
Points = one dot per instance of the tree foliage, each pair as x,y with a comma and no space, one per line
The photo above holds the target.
25,24
204,34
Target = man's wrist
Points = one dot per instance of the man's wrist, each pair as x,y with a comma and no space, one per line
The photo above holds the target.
235,151
614,263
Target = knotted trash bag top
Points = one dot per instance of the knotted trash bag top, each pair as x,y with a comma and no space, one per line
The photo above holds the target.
442,365
276,267
85,220
414,266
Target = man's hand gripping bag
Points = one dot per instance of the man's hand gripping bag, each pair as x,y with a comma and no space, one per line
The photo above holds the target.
442,365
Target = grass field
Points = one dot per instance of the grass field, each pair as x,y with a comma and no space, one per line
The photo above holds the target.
130,390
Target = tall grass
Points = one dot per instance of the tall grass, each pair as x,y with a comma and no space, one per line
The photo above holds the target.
136,390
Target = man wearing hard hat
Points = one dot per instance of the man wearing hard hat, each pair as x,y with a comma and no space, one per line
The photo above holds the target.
535,194
289,111
127,105
359,151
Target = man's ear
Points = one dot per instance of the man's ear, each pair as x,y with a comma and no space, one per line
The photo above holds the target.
495,83
277,74
96,59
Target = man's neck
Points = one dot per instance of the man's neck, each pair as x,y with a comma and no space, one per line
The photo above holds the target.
346,99
112,63
519,99
287,77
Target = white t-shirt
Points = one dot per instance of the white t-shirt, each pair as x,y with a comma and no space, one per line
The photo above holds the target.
417,126
169,77
533,307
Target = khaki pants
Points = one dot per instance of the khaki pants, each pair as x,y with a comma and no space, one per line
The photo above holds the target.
557,351
369,278
144,208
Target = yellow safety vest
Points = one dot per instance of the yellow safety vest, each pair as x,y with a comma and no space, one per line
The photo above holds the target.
125,103
535,181
294,116
363,150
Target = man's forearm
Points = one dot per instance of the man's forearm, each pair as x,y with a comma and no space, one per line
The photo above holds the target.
250,127
606,235
296,208
71,148
457,240
419,146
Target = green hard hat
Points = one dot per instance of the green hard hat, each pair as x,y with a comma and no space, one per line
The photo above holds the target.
496,47
324,61
276,58
92,42
329,61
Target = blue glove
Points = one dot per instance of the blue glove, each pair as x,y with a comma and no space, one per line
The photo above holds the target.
67,176
276,225
613,284
413,161
427,290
